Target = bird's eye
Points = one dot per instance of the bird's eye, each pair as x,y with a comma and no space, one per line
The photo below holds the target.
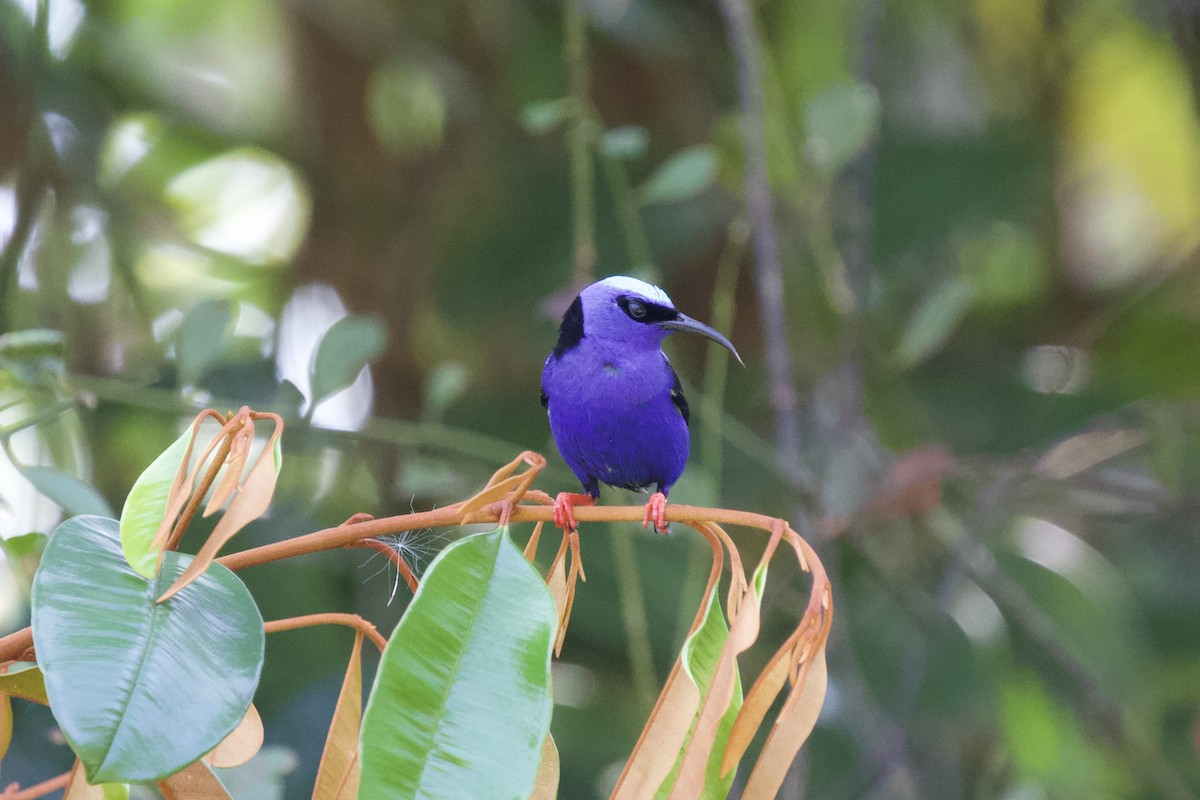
636,310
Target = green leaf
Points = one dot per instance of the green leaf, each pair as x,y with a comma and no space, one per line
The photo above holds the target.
344,350
700,655
462,701
25,682
31,344
140,689
544,116
202,339
839,123
75,496
681,177
626,142
24,546
146,505
23,553
934,321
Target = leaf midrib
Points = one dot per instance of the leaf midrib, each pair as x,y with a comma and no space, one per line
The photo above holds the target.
155,616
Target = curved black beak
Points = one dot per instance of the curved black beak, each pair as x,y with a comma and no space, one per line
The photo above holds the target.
688,325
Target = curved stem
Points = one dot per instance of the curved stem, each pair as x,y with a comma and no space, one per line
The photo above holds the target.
310,620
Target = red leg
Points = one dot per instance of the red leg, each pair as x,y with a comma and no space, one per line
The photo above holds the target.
656,510
564,508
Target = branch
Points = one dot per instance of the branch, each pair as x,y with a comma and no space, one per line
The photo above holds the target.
582,178
743,41
310,620
37,790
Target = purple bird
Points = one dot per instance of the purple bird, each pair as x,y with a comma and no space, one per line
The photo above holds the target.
616,408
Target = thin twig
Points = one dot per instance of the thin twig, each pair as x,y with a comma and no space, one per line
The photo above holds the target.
15,644
629,213
633,615
347,534
310,620
743,41
583,199
39,790
397,560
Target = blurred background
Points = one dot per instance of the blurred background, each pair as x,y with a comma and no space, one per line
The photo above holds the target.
985,406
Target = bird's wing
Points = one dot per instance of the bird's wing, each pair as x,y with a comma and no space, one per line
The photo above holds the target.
545,399
677,395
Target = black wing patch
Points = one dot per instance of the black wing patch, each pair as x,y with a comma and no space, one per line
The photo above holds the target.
571,330
677,397
545,399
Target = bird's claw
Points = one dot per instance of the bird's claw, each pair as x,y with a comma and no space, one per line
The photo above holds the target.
656,512
564,509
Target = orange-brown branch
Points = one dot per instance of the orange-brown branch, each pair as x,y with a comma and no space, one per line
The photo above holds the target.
351,533
37,790
310,620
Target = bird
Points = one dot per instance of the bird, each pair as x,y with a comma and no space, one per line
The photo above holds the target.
617,410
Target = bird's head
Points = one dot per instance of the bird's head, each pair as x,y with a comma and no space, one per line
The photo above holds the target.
632,313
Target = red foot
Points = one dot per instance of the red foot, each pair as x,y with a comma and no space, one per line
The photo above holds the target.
656,510
564,509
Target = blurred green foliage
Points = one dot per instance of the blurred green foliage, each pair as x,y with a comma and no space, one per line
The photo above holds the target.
988,215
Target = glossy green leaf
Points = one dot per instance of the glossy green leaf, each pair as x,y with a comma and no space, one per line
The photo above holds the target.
461,703
140,689
699,656
839,123
146,505
202,339
681,177
75,496
344,350
934,321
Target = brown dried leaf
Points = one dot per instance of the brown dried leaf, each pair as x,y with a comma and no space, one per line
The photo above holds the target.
241,744
757,703
532,545
248,505
790,731
504,482
556,582
743,631
196,782
185,481
235,465
658,748
545,785
337,776
662,738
